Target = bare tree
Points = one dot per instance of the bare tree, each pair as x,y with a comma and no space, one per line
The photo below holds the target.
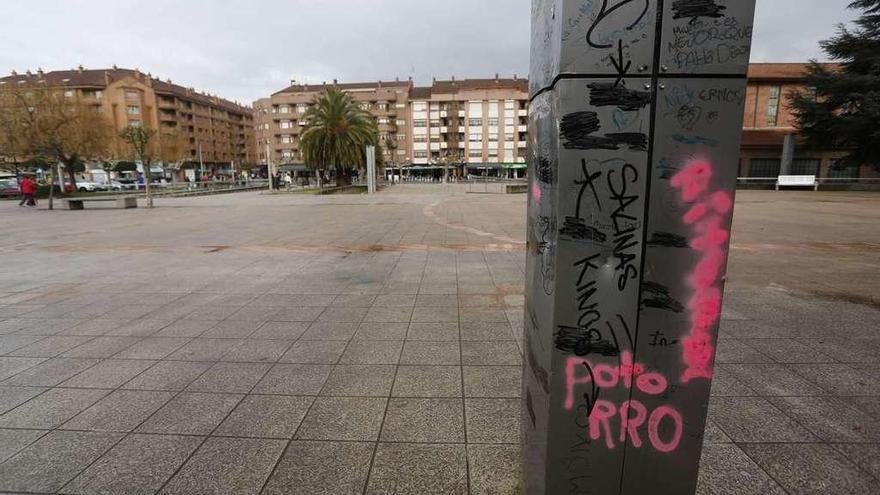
51,123
141,141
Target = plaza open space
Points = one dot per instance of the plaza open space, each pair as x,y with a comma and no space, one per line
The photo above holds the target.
293,344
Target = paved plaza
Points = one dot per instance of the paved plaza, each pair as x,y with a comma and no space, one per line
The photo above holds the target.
293,344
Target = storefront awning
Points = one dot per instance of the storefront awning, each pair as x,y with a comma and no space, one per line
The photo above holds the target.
484,166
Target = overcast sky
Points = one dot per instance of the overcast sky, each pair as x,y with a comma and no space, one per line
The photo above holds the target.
248,49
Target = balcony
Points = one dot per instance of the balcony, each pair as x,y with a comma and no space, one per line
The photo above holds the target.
461,114
444,129
523,112
444,114
523,128
522,144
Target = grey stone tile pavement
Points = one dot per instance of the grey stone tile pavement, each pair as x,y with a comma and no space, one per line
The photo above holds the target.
354,345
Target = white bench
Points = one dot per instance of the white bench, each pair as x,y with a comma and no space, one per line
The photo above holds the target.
797,181
121,202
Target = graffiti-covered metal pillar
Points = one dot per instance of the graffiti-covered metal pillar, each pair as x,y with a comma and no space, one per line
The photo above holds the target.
635,124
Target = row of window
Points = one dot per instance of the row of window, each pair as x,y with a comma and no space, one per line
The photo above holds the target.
770,168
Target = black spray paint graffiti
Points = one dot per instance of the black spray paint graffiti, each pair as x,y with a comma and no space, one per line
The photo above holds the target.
667,239
576,130
547,252
693,9
617,95
544,171
657,296
605,13
575,227
625,224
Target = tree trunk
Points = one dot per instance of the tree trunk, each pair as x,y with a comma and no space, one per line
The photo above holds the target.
342,177
71,174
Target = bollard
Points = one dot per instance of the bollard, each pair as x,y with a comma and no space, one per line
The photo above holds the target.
635,123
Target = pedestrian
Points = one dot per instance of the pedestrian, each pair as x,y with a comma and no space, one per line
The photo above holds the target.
28,188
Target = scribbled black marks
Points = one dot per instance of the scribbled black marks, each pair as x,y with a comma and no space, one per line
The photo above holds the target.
591,398
619,65
693,9
541,375
667,239
577,124
547,251
657,296
605,12
544,171
576,130
576,228
688,116
614,95
582,341
636,141
530,408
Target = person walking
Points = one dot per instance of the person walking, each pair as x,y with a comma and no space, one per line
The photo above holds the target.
28,188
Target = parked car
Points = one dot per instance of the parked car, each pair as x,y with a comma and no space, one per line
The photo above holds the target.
8,188
123,185
83,186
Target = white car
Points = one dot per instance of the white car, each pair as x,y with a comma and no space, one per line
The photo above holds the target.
83,186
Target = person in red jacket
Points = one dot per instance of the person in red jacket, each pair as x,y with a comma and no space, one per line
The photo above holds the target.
28,189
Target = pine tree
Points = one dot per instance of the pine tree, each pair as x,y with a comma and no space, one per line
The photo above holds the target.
844,110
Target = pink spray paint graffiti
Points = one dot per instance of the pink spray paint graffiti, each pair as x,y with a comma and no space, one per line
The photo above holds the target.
634,417
708,215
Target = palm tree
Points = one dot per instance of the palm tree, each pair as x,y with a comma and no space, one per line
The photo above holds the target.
336,134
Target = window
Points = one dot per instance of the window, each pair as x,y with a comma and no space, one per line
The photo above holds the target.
365,106
475,122
475,154
286,124
68,93
400,105
435,122
382,120
476,138
493,138
509,137
773,106
509,105
805,166
420,106
420,139
401,152
284,109
493,153
382,106
420,123
401,122
493,121
401,137
508,120
131,95
134,123
302,108
838,169
287,139
420,154
767,168
134,110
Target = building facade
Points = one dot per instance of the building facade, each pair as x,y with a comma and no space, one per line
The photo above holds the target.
279,118
207,131
481,123
479,126
478,122
769,122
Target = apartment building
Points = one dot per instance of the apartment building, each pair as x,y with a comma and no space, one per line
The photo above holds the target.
481,123
209,131
769,122
279,118
478,122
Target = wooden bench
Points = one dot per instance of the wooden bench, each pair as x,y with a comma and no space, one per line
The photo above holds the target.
123,202
797,181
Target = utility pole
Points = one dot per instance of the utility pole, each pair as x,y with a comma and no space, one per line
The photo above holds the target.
371,169
635,121
201,163
269,170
